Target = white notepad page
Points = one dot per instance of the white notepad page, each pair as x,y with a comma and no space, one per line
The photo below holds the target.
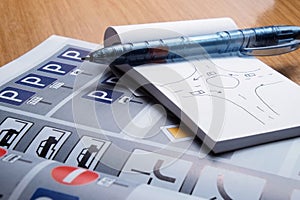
231,102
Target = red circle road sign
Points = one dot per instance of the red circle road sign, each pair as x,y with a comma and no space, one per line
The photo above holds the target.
2,152
69,175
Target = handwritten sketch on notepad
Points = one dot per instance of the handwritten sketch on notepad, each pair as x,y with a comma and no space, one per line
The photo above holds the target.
254,98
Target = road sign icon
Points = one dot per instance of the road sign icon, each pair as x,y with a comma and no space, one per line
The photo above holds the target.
111,80
15,96
106,181
45,194
36,81
176,134
69,175
12,130
155,169
221,183
87,152
3,152
11,158
57,68
103,95
74,54
48,142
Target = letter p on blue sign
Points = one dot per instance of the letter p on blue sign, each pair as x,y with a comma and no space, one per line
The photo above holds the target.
103,95
74,54
36,81
15,96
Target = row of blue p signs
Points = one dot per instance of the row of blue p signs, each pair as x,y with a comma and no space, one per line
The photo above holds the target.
17,96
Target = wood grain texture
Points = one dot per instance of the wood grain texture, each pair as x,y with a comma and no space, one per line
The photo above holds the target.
26,23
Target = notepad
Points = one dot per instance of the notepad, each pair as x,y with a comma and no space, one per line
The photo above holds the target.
229,102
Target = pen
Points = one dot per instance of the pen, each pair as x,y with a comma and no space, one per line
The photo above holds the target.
269,40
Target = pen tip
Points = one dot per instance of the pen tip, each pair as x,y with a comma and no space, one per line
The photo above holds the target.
85,58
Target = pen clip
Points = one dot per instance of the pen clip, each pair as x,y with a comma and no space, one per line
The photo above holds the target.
272,50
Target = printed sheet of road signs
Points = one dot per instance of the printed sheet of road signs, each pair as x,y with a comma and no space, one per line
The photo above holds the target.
78,113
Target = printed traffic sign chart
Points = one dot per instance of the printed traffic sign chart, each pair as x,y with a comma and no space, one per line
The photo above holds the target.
115,140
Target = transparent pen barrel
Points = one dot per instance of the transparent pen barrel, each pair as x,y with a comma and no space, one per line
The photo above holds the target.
182,47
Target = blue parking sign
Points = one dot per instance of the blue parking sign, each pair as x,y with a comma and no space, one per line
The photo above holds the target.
74,54
103,95
111,80
57,68
42,193
14,96
36,81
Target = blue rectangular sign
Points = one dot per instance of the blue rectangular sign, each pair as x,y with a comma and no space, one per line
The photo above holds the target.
57,68
36,81
103,95
42,193
15,96
111,80
74,54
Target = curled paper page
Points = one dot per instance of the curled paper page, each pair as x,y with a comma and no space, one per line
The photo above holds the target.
156,31
230,102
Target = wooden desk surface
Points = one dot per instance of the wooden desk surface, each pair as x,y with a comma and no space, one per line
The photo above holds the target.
24,24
